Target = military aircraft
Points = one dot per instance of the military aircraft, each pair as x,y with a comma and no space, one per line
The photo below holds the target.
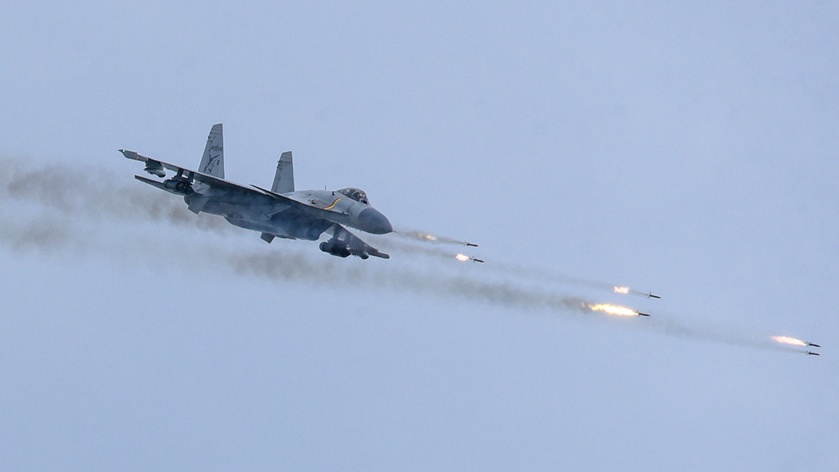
280,212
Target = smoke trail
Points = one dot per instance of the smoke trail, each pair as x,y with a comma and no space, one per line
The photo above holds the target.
424,236
98,193
76,195
550,276
101,194
531,273
67,200
281,266
47,236
63,236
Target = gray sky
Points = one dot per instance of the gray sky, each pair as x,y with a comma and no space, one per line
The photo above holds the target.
687,149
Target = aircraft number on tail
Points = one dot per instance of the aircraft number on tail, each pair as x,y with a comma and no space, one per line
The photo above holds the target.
213,162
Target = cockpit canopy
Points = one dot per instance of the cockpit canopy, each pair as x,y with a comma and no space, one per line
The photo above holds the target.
355,194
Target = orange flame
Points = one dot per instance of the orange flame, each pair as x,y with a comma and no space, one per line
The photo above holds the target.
789,340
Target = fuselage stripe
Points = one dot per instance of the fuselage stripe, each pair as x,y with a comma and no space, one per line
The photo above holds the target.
333,204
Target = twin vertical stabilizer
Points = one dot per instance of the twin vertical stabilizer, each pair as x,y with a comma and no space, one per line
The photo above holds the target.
284,178
212,162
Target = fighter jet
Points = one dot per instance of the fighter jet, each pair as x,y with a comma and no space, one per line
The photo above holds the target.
280,212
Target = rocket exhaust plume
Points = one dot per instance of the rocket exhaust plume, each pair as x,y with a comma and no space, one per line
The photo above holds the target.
614,310
794,342
623,290
406,248
549,276
465,258
789,340
433,238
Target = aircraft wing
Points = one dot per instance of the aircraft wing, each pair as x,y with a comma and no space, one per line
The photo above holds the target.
155,166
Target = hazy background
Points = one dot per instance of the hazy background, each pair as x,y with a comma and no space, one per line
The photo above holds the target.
683,148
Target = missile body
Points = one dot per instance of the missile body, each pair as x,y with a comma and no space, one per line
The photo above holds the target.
811,353
475,259
813,344
468,244
652,295
642,314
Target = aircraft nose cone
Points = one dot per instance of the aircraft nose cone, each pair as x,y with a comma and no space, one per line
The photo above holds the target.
372,221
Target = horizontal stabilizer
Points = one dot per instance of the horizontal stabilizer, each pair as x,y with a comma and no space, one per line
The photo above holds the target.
151,182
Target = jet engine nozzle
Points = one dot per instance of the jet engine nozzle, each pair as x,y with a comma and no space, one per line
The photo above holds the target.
178,186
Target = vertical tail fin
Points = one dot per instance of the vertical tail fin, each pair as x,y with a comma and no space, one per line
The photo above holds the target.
213,160
284,178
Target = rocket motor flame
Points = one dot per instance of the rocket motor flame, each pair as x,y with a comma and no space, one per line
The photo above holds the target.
463,257
789,340
610,309
424,236
621,290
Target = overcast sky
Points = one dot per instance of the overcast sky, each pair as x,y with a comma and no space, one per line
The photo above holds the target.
687,149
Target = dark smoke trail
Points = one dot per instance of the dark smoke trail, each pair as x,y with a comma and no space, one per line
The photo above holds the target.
69,200
291,266
96,194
